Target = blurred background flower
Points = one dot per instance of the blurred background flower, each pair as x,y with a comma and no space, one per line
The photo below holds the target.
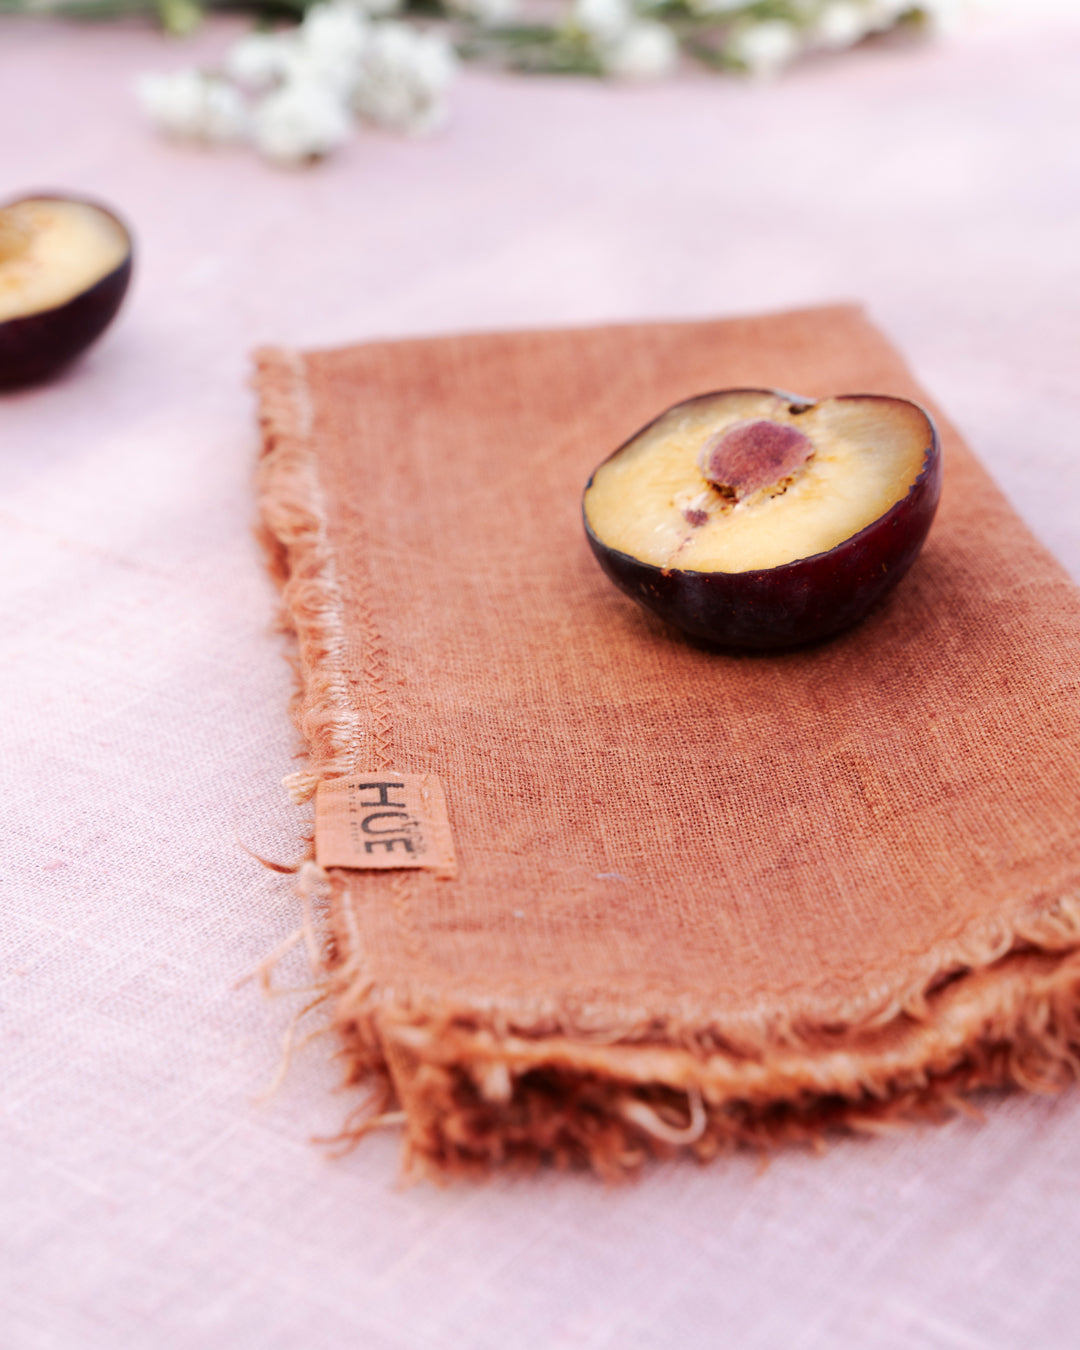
295,87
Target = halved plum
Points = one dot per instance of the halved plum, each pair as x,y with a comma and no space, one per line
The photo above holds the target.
65,265
756,518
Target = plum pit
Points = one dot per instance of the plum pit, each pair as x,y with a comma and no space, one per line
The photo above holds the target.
754,456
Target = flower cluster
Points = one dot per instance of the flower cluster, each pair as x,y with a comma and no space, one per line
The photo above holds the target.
762,46
643,39
623,42
295,95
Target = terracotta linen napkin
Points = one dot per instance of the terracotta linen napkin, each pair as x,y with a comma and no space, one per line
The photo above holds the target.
698,899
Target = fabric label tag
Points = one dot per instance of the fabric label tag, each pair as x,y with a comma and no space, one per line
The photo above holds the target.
383,820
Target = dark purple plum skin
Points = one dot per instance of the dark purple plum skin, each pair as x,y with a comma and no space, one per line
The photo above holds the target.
34,347
798,602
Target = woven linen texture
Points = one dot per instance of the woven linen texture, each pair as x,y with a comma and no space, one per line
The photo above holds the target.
701,898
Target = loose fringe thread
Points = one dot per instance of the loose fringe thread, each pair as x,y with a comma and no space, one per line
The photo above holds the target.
476,1088
300,786
311,884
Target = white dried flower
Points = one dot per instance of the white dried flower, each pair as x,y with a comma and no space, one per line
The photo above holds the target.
337,76
302,120
336,33
646,50
260,60
193,106
765,48
603,20
326,48
404,78
841,24
942,16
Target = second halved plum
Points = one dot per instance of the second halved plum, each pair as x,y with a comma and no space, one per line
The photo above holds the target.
65,265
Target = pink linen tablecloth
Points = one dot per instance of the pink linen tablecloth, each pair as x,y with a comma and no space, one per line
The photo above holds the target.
152,1194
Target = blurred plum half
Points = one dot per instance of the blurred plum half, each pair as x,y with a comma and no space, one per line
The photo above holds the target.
64,267
754,518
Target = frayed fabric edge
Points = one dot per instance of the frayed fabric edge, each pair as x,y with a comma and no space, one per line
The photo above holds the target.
476,1088
476,1097
293,515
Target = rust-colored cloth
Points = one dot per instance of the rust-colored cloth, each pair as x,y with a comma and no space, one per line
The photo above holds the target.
700,898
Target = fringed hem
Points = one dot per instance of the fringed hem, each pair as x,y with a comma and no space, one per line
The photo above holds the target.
996,1006
475,1097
